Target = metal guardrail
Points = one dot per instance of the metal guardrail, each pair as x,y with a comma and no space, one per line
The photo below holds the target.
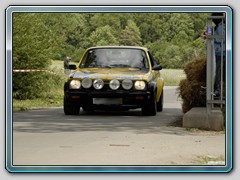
211,99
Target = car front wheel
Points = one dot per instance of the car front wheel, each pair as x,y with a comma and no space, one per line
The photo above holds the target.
150,108
70,108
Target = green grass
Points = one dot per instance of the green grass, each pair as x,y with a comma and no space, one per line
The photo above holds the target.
24,105
207,159
54,97
192,129
172,77
57,66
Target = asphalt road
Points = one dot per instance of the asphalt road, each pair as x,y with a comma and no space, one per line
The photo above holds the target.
48,137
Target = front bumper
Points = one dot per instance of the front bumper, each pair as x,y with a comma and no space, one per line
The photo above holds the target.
131,99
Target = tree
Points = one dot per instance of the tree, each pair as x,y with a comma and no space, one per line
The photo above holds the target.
103,36
33,47
199,23
38,38
106,19
130,35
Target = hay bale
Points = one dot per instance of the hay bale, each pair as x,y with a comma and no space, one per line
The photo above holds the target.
192,94
190,89
196,69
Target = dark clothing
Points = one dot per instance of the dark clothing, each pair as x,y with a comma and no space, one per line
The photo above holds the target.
66,64
220,52
217,84
219,44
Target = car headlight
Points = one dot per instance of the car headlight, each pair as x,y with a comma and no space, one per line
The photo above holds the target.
127,84
140,85
86,83
98,84
75,84
114,84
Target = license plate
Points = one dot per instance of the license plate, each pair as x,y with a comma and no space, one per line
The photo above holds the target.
107,101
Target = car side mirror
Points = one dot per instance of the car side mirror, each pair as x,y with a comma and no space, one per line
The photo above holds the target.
157,67
72,66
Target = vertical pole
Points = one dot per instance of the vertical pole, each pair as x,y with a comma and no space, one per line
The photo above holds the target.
221,95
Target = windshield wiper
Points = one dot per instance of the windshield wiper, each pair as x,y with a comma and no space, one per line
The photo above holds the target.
119,65
107,66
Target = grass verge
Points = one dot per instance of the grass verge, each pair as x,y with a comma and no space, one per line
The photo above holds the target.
24,105
172,77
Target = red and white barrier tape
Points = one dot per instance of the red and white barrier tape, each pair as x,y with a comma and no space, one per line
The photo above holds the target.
31,70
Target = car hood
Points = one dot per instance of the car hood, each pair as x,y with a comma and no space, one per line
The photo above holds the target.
112,73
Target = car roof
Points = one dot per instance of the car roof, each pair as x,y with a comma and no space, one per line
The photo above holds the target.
119,47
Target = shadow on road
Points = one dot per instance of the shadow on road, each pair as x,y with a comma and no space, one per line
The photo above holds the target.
54,121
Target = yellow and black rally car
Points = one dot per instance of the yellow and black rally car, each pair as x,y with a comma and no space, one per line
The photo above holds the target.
120,77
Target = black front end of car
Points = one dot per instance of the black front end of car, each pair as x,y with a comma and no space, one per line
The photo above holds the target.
106,99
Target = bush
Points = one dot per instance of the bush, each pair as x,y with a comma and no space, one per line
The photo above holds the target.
190,89
35,44
35,85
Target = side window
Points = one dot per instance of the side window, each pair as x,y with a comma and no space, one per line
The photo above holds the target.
151,59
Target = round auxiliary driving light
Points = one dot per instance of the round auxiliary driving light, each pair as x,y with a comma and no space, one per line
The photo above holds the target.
114,84
98,84
127,84
86,83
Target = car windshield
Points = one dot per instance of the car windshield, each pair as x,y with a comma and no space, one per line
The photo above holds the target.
115,58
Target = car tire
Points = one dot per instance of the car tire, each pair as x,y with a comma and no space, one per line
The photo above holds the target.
150,108
160,103
70,108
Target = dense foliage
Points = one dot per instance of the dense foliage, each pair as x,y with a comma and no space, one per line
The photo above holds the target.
38,38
